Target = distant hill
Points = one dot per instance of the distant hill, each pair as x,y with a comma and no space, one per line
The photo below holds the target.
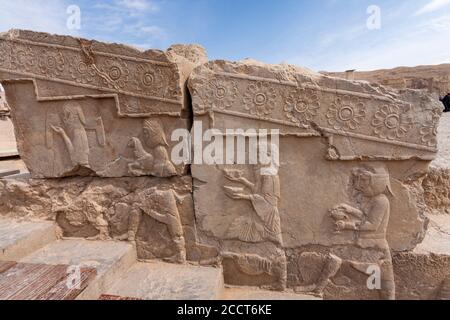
434,79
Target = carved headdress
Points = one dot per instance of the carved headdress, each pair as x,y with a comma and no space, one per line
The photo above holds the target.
379,178
156,131
74,108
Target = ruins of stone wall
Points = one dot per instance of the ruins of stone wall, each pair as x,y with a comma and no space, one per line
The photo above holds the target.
330,128
94,121
88,108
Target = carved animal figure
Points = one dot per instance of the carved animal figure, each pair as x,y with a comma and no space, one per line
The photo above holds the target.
144,160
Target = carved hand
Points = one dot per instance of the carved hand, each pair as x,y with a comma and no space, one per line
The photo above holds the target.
58,129
345,207
239,196
342,225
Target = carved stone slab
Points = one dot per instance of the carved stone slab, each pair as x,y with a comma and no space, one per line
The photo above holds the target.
359,121
88,108
156,213
347,188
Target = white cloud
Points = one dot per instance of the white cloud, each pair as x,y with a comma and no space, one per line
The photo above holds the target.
423,43
47,16
140,5
432,6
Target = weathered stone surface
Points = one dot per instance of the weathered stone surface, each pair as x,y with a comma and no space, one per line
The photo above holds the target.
110,259
88,108
424,274
250,294
8,146
156,213
18,239
349,196
347,190
162,281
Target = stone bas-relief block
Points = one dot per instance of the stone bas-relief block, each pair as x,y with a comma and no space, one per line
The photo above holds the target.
345,193
341,204
88,108
155,213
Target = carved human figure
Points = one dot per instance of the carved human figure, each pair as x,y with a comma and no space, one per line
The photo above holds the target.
74,134
160,205
366,226
264,195
372,184
157,161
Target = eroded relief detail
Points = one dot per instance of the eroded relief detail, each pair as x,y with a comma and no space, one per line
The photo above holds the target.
221,94
324,232
302,106
392,121
260,99
264,223
365,227
156,162
345,192
344,114
255,265
160,205
80,64
428,131
72,129
104,107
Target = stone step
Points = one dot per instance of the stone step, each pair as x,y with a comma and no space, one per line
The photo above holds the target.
19,239
255,294
163,281
110,259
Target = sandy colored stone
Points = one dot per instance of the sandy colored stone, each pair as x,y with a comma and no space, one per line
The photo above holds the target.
352,191
332,131
110,259
157,214
434,79
91,108
162,281
4,108
20,238
8,146
251,294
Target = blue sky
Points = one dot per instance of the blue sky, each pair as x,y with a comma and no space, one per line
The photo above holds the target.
318,34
